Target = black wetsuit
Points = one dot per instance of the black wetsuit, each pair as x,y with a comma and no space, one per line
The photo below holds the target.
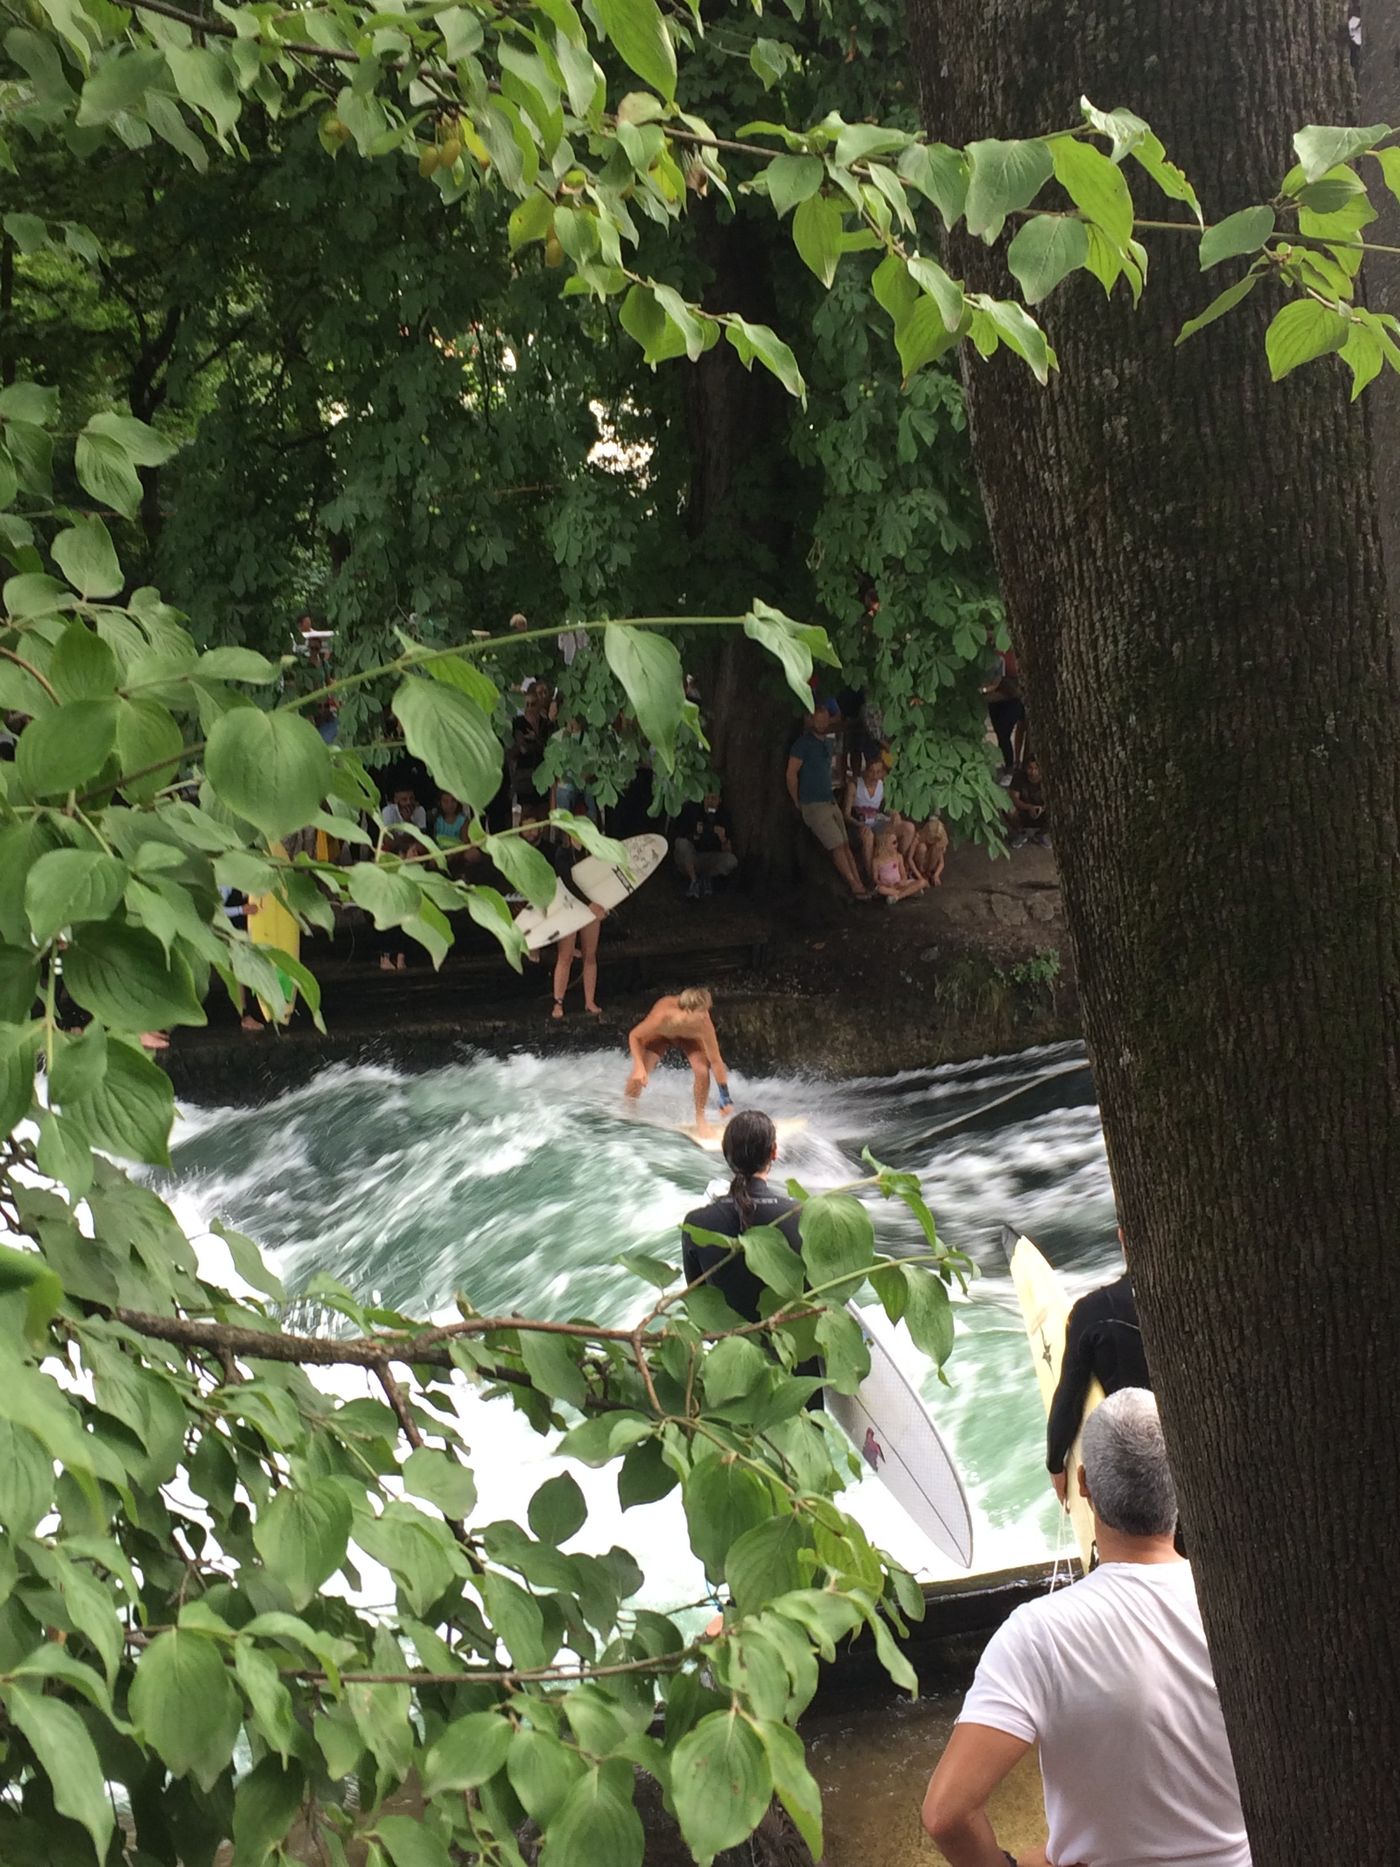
1102,1342
734,1280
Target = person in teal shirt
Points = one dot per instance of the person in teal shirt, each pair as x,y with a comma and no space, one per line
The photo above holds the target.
810,788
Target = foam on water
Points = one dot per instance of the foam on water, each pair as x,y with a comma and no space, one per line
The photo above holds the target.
519,1181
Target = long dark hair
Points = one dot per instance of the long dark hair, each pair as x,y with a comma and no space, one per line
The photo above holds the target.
749,1142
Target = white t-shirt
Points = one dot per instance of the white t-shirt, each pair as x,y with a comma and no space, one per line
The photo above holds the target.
1112,1679
391,814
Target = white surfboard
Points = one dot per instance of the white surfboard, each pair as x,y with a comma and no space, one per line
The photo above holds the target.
609,885
785,1125
565,914
1045,1311
889,1425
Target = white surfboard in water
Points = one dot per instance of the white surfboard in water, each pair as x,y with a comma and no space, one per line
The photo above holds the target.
889,1425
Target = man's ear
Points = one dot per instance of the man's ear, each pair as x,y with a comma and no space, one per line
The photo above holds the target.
1081,1478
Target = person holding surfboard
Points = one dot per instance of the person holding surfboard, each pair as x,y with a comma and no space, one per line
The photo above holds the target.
683,1023
1103,1343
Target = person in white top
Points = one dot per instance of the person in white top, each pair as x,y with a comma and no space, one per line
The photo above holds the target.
1113,1681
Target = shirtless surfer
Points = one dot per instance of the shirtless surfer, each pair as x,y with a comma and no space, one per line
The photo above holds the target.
682,1023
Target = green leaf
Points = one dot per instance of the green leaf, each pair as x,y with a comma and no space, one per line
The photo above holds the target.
721,1502
515,1616
441,1479
817,227
411,1843
552,1366
238,664
796,1787
1301,331
1244,232
558,1510
64,1157
763,1563
29,402
149,741
1321,147
796,645
454,738
541,1772
78,1065
1097,187
85,555
652,1270
643,318
1044,251
272,768
638,33
940,174
184,1705
205,79
71,885
66,1755
1002,178
1217,308
19,983
531,219
270,1701
468,1754
1389,160
770,1257
83,667
928,1313
597,1823
1019,331
838,1241
757,340
105,470
265,1804
130,1111
36,595
302,1536
62,751
644,1476
524,867
649,668
1363,356
419,1551
389,897
26,1271
792,180
721,1782
122,975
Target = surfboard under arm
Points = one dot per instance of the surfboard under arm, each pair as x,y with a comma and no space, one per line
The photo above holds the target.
1045,1310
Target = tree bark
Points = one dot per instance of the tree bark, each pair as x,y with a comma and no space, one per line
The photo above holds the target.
1191,566
739,520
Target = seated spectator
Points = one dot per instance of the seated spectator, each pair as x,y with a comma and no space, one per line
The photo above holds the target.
702,848
403,807
1030,817
449,820
893,880
1112,1679
868,817
930,850
809,787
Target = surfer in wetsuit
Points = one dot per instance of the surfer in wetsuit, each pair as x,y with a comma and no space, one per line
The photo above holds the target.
1102,1342
750,1148
681,1023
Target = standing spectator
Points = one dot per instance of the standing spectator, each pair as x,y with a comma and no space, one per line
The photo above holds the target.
1112,1680
1031,816
809,787
1006,711
531,730
702,848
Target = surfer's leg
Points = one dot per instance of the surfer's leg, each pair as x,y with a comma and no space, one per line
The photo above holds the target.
588,945
701,1068
563,961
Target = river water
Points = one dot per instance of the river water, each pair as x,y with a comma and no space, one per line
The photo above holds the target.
518,1181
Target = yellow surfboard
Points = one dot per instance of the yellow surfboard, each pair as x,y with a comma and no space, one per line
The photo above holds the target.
271,924
1045,1309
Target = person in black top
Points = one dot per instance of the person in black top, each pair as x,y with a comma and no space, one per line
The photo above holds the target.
1103,1343
750,1147
702,848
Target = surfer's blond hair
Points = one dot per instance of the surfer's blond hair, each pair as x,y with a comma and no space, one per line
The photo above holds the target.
695,998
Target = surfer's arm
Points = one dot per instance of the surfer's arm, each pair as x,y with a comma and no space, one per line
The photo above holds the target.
1076,1373
977,1758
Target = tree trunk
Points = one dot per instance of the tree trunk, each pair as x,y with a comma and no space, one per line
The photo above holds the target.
1190,560
739,519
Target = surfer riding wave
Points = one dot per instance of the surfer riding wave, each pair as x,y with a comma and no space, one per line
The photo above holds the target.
681,1023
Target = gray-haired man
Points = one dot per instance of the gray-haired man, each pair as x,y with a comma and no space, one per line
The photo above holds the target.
1113,1681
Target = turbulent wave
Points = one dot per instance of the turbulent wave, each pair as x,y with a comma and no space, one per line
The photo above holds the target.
518,1181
